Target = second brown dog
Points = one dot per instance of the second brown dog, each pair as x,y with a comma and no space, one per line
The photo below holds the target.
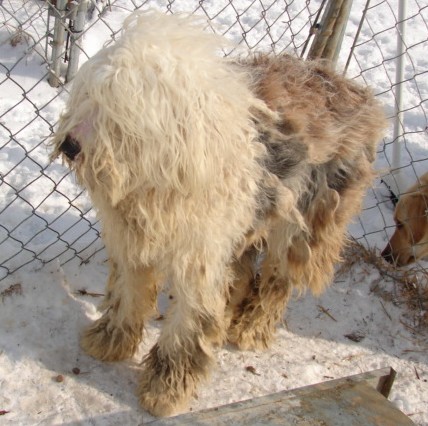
410,239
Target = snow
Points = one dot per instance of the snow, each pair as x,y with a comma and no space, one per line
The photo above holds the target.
42,314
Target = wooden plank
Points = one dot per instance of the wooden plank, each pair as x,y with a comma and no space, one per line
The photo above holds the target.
350,401
328,40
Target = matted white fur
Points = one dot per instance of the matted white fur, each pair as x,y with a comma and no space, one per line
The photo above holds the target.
194,166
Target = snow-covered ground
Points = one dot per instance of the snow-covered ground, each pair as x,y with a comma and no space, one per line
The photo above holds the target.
39,341
42,309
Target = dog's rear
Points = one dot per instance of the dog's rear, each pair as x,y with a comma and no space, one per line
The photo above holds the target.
410,239
321,150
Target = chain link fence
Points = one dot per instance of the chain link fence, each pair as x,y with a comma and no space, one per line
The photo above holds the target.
44,215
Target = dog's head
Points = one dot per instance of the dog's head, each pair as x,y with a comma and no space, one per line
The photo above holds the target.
154,109
88,134
410,239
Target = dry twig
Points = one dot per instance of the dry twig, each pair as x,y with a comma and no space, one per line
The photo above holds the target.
84,292
384,309
326,311
252,370
417,374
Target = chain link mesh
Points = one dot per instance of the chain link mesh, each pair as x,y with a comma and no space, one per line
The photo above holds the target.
44,216
373,61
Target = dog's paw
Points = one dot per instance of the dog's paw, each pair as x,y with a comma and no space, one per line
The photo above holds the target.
165,396
166,404
107,342
168,383
250,337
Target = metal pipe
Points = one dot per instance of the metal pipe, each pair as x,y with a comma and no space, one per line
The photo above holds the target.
57,44
75,36
399,78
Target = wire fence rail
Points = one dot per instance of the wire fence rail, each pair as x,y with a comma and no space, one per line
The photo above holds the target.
44,216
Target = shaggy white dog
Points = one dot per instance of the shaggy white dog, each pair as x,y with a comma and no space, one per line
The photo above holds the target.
196,165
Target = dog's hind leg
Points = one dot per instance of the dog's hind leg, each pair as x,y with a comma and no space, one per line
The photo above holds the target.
255,318
182,356
245,280
130,300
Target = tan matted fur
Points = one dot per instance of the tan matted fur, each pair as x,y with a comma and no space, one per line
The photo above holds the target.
233,180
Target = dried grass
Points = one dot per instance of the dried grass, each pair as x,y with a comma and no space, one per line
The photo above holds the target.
410,283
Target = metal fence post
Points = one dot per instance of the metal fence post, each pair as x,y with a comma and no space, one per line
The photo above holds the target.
395,181
78,17
328,41
399,115
57,44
